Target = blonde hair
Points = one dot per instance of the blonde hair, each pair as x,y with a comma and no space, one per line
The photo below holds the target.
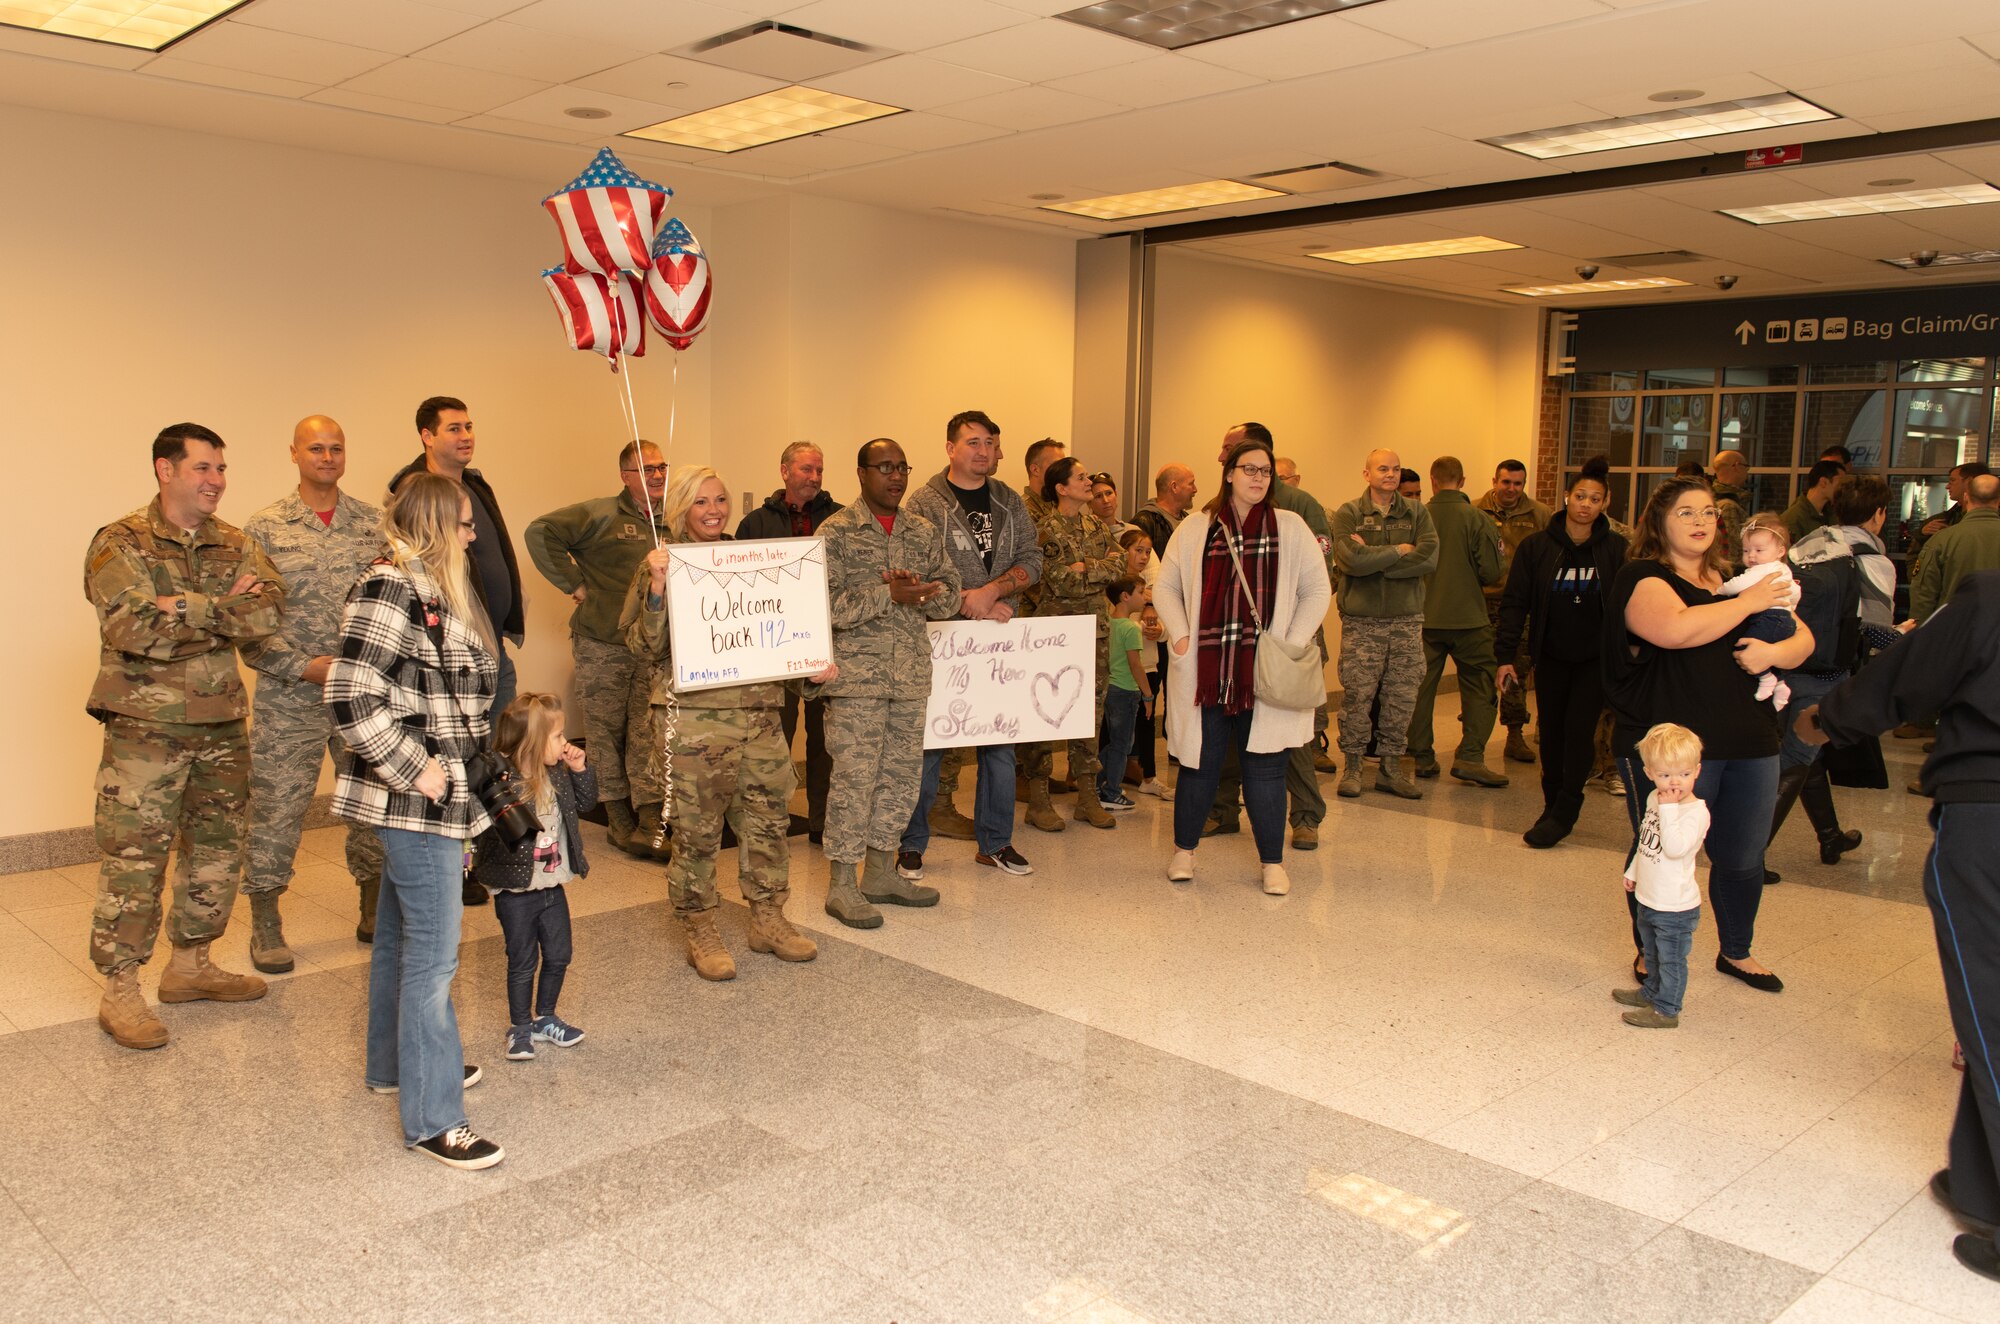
678,500
1669,744
1769,525
522,734
420,524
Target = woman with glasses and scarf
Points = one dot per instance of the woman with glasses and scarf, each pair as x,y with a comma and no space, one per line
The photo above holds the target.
1212,612
1674,651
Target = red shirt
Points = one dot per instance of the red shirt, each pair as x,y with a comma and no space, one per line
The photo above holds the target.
888,523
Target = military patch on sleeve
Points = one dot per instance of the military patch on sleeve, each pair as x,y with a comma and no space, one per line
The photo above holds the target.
628,532
1325,544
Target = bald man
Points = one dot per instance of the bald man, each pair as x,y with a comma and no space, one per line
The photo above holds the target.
1732,498
1288,470
1173,493
321,539
1967,547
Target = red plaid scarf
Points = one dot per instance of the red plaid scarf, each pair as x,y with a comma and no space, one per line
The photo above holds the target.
1226,649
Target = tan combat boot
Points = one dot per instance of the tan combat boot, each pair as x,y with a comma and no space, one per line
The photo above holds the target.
1042,814
1518,748
771,932
124,1015
710,959
1089,809
1394,778
881,883
844,900
946,821
371,893
268,951
190,977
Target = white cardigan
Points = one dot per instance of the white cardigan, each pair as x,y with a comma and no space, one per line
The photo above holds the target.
1299,609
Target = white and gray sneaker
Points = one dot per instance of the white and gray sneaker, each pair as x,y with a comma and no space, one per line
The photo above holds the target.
553,1029
460,1148
520,1043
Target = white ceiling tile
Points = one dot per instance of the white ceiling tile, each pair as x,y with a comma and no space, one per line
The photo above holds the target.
392,106
800,158
1308,46
1895,94
1520,119
920,132
276,54
1987,43
71,50
1042,51
479,8
1436,23
431,84
677,81
901,25
242,80
1154,81
1030,108
397,26
1630,99
554,133
1042,8
510,48
915,82
648,25
1959,113
1920,60
548,106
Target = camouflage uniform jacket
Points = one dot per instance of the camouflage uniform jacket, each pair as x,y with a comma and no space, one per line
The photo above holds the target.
165,666
1732,505
1528,516
646,634
1031,497
880,645
1375,581
320,562
1065,541
598,545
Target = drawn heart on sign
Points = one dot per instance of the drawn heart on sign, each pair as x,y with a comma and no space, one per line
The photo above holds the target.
1058,692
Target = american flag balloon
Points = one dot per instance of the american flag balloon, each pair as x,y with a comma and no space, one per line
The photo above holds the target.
607,216
678,285
600,313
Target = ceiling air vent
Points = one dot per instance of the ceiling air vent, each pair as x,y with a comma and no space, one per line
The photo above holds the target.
1672,257
781,51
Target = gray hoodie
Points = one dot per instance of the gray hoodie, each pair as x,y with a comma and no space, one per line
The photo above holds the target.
1014,539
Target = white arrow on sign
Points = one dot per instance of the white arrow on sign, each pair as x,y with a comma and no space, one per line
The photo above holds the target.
1744,330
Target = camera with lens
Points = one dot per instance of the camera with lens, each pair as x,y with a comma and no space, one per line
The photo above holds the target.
505,800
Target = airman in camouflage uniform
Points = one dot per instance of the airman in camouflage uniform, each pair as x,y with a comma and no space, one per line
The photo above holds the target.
1040,456
591,551
882,585
1518,515
730,761
175,589
321,540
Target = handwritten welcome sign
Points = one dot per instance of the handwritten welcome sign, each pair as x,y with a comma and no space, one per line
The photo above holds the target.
1033,678
741,612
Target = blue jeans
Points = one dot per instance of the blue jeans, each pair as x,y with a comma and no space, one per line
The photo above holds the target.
1741,795
1806,691
536,925
1263,785
1121,718
412,1030
1667,936
992,802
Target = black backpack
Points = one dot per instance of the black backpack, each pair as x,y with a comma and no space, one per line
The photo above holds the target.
1830,605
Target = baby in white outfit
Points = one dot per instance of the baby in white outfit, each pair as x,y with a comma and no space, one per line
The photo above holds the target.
1764,550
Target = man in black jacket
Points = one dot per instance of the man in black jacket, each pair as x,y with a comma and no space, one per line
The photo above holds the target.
796,510
1951,666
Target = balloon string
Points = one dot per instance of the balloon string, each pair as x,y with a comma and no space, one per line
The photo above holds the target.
671,717
632,426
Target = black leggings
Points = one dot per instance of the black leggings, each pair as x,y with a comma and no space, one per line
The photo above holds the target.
1569,696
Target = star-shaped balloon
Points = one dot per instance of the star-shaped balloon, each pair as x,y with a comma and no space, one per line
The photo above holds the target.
608,216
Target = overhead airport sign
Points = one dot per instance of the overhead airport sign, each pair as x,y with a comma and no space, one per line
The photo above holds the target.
1940,321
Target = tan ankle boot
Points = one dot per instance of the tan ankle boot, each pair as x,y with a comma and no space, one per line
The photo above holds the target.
124,1015
771,932
844,900
371,894
1042,814
710,959
946,821
881,883
190,977
268,951
1089,809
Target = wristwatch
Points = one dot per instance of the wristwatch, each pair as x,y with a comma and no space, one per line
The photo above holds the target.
181,607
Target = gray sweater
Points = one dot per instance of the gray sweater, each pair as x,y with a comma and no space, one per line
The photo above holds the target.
503,870
1015,542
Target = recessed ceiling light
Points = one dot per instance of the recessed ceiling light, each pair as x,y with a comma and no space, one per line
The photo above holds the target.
789,112
1594,286
144,24
1947,259
588,113
1889,183
1676,94
1177,24
1664,126
1474,243
1181,197
1871,204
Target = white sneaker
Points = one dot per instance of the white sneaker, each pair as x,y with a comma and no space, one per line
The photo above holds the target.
1276,881
1614,785
1180,869
1154,786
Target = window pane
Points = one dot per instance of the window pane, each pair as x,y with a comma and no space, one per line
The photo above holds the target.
1601,426
1844,418
1839,374
1676,429
1604,381
1772,492
1761,427
1940,427
1912,500
1782,375
1669,377
1941,370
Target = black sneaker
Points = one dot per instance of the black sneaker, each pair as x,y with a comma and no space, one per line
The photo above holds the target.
472,1077
460,1148
910,865
1007,860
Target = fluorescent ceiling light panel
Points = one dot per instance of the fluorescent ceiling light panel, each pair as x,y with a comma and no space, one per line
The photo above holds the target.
789,112
1473,243
1664,126
1870,204
1595,286
1946,259
1177,24
147,25
1182,197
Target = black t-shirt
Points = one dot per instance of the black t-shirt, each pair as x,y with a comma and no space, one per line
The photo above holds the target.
976,504
1700,688
1574,629
489,562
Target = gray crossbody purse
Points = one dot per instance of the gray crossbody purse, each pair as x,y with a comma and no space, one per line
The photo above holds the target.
1287,677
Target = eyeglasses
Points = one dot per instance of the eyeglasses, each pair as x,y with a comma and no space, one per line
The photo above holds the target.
1254,470
1688,514
652,470
889,468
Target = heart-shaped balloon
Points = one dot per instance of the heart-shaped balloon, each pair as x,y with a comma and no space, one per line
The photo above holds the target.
678,285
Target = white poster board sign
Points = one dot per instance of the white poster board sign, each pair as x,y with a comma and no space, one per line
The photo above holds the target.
1031,678
741,612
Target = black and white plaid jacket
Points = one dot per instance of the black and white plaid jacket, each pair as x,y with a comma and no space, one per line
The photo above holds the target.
412,681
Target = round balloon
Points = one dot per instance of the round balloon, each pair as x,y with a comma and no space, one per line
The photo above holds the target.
678,285
608,217
599,313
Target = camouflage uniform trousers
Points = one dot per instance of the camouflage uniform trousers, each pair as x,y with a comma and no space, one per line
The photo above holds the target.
1379,655
730,763
167,786
612,686
1513,699
1038,759
878,769
290,731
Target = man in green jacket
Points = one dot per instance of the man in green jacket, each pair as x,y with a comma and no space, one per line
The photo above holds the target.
1456,626
1969,545
1809,512
591,551
1518,515
1385,545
